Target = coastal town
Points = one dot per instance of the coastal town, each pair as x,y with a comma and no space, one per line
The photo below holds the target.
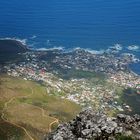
128,79
99,91
70,70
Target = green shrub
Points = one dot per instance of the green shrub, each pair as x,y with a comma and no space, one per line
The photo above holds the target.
122,137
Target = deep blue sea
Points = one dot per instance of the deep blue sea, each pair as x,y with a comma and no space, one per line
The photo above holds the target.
94,24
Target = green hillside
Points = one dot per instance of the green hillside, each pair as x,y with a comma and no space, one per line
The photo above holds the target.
27,109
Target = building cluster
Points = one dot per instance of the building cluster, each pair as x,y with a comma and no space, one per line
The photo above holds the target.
107,63
43,67
126,79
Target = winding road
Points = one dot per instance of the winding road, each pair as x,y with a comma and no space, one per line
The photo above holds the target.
24,129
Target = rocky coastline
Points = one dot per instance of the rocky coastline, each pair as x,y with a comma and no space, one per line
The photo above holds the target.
12,46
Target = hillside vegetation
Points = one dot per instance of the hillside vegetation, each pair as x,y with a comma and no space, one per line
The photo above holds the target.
27,109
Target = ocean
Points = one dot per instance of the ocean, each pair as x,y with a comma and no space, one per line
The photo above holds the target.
90,24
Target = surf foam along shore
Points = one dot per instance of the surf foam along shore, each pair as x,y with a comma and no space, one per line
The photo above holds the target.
133,48
115,48
60,48
16,45
49,49
12,45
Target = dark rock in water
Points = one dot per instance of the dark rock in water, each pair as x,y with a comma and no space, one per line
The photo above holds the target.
12,46
90,125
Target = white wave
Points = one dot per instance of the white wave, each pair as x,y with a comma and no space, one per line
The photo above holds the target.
128,54
48,42
50,49
23,41
133,48
33,37
135,59
117,47
77,48
95,51
70,50
89,50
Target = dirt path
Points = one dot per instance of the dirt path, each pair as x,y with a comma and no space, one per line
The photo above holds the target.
51,124
25,130
43,115
5,120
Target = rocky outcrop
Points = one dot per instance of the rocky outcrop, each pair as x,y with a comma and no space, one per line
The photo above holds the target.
90,125
12,46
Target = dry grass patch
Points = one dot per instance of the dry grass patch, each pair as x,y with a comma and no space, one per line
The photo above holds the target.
29,114
31,107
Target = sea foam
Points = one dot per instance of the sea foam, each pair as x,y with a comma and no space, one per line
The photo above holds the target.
50,49
133,48
22,41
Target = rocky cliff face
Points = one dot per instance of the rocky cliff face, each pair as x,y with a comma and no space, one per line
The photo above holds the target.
90,125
